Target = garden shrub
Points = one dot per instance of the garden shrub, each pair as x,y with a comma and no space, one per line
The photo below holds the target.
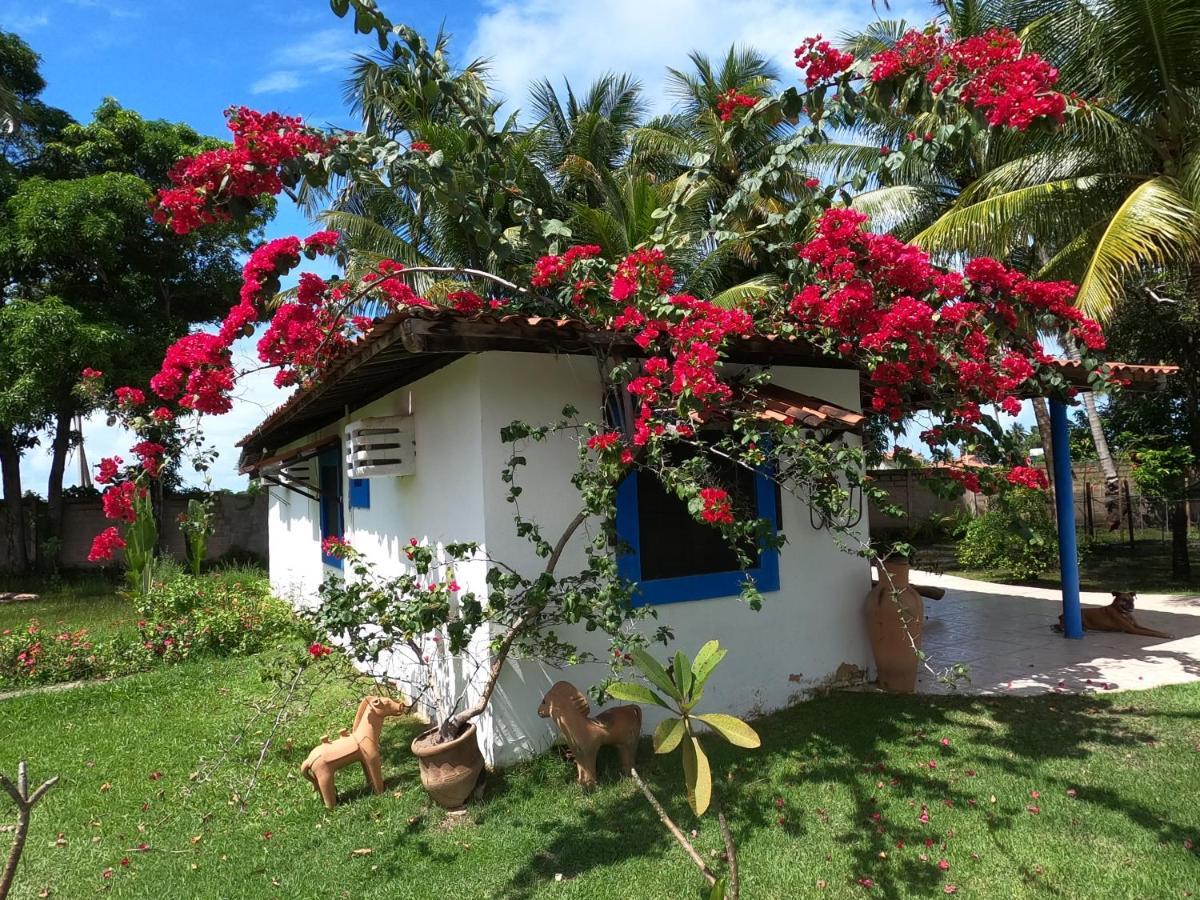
223,613
1016,535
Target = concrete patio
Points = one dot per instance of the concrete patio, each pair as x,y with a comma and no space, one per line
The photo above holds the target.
1003,633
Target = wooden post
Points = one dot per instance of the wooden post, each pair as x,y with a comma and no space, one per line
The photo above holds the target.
1089,520
1129,512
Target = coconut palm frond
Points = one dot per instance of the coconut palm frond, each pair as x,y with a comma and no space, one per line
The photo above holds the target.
1156,226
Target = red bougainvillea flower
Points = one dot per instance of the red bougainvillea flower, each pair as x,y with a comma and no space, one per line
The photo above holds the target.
821,61
718,509
335,546
1027,476
419,147
944,865
203,184
318,650
118,501
551,270
730,101
108,469
105,544
466,302
149,454
129,396
602,442
92,373
643,269
1009,87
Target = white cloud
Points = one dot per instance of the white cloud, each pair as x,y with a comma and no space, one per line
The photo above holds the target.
315,53
276,82
532,39
19,22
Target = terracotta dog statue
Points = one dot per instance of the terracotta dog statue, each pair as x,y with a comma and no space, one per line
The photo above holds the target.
360,744
620,726
1117,616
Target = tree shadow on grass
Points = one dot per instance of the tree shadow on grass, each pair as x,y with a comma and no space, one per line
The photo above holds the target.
593,830
1011,734
879,749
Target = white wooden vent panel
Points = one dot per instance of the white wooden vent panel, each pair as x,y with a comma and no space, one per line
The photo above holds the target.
297,471
379,446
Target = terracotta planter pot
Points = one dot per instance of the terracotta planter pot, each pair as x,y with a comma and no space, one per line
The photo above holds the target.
449,770
886,619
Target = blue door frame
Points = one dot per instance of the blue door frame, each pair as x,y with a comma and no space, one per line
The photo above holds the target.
1064,505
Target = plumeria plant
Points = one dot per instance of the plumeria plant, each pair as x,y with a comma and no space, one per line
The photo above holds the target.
954,343
682,688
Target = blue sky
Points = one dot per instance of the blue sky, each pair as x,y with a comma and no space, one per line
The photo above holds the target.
187,60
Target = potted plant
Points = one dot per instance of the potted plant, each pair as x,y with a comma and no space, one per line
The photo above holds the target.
895,615
413,620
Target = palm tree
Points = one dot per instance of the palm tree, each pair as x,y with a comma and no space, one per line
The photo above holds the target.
468,209
584,140
1105,201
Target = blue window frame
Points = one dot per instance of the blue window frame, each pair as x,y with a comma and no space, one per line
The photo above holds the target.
360,493
329,473
635,533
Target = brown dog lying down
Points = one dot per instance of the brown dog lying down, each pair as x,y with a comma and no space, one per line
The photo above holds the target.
1117,616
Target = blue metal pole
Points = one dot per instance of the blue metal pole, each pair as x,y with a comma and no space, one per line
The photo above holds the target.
1064,503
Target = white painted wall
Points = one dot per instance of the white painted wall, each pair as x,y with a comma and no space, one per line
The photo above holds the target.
804,632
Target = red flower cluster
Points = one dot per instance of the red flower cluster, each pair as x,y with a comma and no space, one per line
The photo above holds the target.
606,441
821,61
105,544
129,396
730,101
118,501
92,373
875,296
197,371
149,454
644,269
718,508
203,184
108,469
1027,476
468,303
335,546
915,51
1009,88
552,270
317,651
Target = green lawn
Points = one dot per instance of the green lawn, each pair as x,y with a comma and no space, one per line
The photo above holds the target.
89,603
1108,564
804,806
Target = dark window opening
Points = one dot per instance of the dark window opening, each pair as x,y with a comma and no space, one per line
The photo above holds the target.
673,543
330,483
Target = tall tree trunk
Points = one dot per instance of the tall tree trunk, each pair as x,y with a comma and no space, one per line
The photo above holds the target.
15,532
54,485
1180,565
1108,467
1042,415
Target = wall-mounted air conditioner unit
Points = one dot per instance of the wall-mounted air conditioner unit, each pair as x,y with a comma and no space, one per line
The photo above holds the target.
379,446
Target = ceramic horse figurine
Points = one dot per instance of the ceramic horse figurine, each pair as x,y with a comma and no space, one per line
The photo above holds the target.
620,726
360,744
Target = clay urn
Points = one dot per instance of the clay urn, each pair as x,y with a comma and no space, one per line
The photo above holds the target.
449,770
893,604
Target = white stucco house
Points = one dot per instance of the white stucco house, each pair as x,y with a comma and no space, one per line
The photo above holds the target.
435,389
